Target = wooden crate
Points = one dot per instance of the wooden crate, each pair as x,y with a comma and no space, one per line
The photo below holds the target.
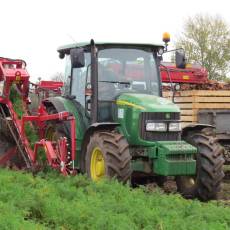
192,101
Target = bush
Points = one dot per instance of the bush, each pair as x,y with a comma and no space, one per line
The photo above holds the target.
57,202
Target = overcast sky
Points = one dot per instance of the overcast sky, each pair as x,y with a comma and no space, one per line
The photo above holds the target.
32,30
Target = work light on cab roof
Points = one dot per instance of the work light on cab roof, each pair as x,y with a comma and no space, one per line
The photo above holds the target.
166,39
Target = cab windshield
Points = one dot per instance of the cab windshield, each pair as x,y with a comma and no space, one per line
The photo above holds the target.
122,70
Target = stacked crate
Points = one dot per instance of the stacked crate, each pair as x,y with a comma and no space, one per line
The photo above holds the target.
192,101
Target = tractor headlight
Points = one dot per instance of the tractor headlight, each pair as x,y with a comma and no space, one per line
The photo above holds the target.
157,127
1,87
175,127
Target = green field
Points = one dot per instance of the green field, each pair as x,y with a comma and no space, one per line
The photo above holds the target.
50,201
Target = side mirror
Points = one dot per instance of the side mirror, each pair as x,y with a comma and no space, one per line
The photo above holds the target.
77,57
180,59
61,55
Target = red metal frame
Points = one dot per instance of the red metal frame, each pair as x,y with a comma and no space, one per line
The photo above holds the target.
193,74
14,72
44,88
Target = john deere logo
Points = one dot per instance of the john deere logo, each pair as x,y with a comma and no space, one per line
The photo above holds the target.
167,115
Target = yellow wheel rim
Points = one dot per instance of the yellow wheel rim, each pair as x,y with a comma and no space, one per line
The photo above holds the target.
97,164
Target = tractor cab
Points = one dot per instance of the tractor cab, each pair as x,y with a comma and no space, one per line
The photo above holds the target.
101,72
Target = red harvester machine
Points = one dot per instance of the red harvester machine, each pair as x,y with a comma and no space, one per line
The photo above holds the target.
192,74
193,77
13,73
44,88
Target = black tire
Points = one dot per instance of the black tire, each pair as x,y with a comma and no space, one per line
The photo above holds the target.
209,170
115,151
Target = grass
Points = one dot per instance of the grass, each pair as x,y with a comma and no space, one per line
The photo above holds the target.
50,201
16,100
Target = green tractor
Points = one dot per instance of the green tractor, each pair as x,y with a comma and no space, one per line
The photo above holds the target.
125,129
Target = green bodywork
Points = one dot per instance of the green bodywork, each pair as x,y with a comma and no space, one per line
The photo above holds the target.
174,158
137,103
167,158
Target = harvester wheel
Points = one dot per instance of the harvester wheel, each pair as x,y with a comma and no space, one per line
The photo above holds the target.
209,168
108,155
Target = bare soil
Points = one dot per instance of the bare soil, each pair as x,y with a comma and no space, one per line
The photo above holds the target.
171,188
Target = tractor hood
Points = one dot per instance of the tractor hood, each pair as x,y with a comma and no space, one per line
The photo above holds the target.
146,102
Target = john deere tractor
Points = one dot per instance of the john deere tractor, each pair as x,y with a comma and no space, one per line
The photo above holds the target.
125,129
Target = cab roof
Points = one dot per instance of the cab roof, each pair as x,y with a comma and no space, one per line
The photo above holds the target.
66,48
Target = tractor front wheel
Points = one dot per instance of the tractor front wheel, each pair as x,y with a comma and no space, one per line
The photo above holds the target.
209,168
108,155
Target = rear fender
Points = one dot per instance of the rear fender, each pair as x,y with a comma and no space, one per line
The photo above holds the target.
55,102
58,105
100,126
64,104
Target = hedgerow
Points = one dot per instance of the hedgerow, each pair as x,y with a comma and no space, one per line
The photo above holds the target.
51,201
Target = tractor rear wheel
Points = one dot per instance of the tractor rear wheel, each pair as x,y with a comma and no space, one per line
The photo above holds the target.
209,168
108,155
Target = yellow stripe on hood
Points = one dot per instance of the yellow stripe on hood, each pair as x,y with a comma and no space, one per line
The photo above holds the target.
121,102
